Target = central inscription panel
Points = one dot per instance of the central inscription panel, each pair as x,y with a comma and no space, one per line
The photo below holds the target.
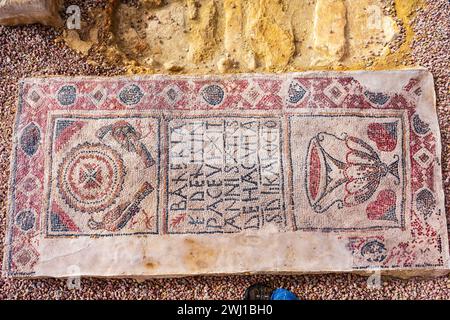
225,175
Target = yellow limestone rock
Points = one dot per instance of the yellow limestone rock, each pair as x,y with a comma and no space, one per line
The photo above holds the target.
269,32
262,35
329,29
369,30
225,63
73,40
152,3
203,31
152,35
234,40
172,66
164,33
192,9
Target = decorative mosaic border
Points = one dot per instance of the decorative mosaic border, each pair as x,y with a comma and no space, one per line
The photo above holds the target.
48,195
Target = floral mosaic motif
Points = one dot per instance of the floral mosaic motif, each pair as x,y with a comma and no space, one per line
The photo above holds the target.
67,95
90,177
377,98
213,94
30,139
343,172
425,202
131,95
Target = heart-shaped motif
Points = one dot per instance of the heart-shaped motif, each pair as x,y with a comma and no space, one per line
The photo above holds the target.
384,135
383,208
378,98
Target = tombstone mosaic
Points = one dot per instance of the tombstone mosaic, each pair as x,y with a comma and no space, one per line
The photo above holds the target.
183,175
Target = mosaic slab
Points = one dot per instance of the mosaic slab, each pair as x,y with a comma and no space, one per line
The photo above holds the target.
183,175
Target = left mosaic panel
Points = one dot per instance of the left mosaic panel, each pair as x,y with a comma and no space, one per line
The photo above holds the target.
103,175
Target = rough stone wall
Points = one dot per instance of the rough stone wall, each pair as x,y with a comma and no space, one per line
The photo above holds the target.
210,36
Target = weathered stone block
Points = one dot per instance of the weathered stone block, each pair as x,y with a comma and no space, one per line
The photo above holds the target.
15,12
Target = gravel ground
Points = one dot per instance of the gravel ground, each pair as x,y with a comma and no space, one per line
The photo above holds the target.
31,50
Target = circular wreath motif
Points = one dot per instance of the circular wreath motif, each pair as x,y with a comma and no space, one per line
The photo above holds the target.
67,95
213,94
26,219
91,177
